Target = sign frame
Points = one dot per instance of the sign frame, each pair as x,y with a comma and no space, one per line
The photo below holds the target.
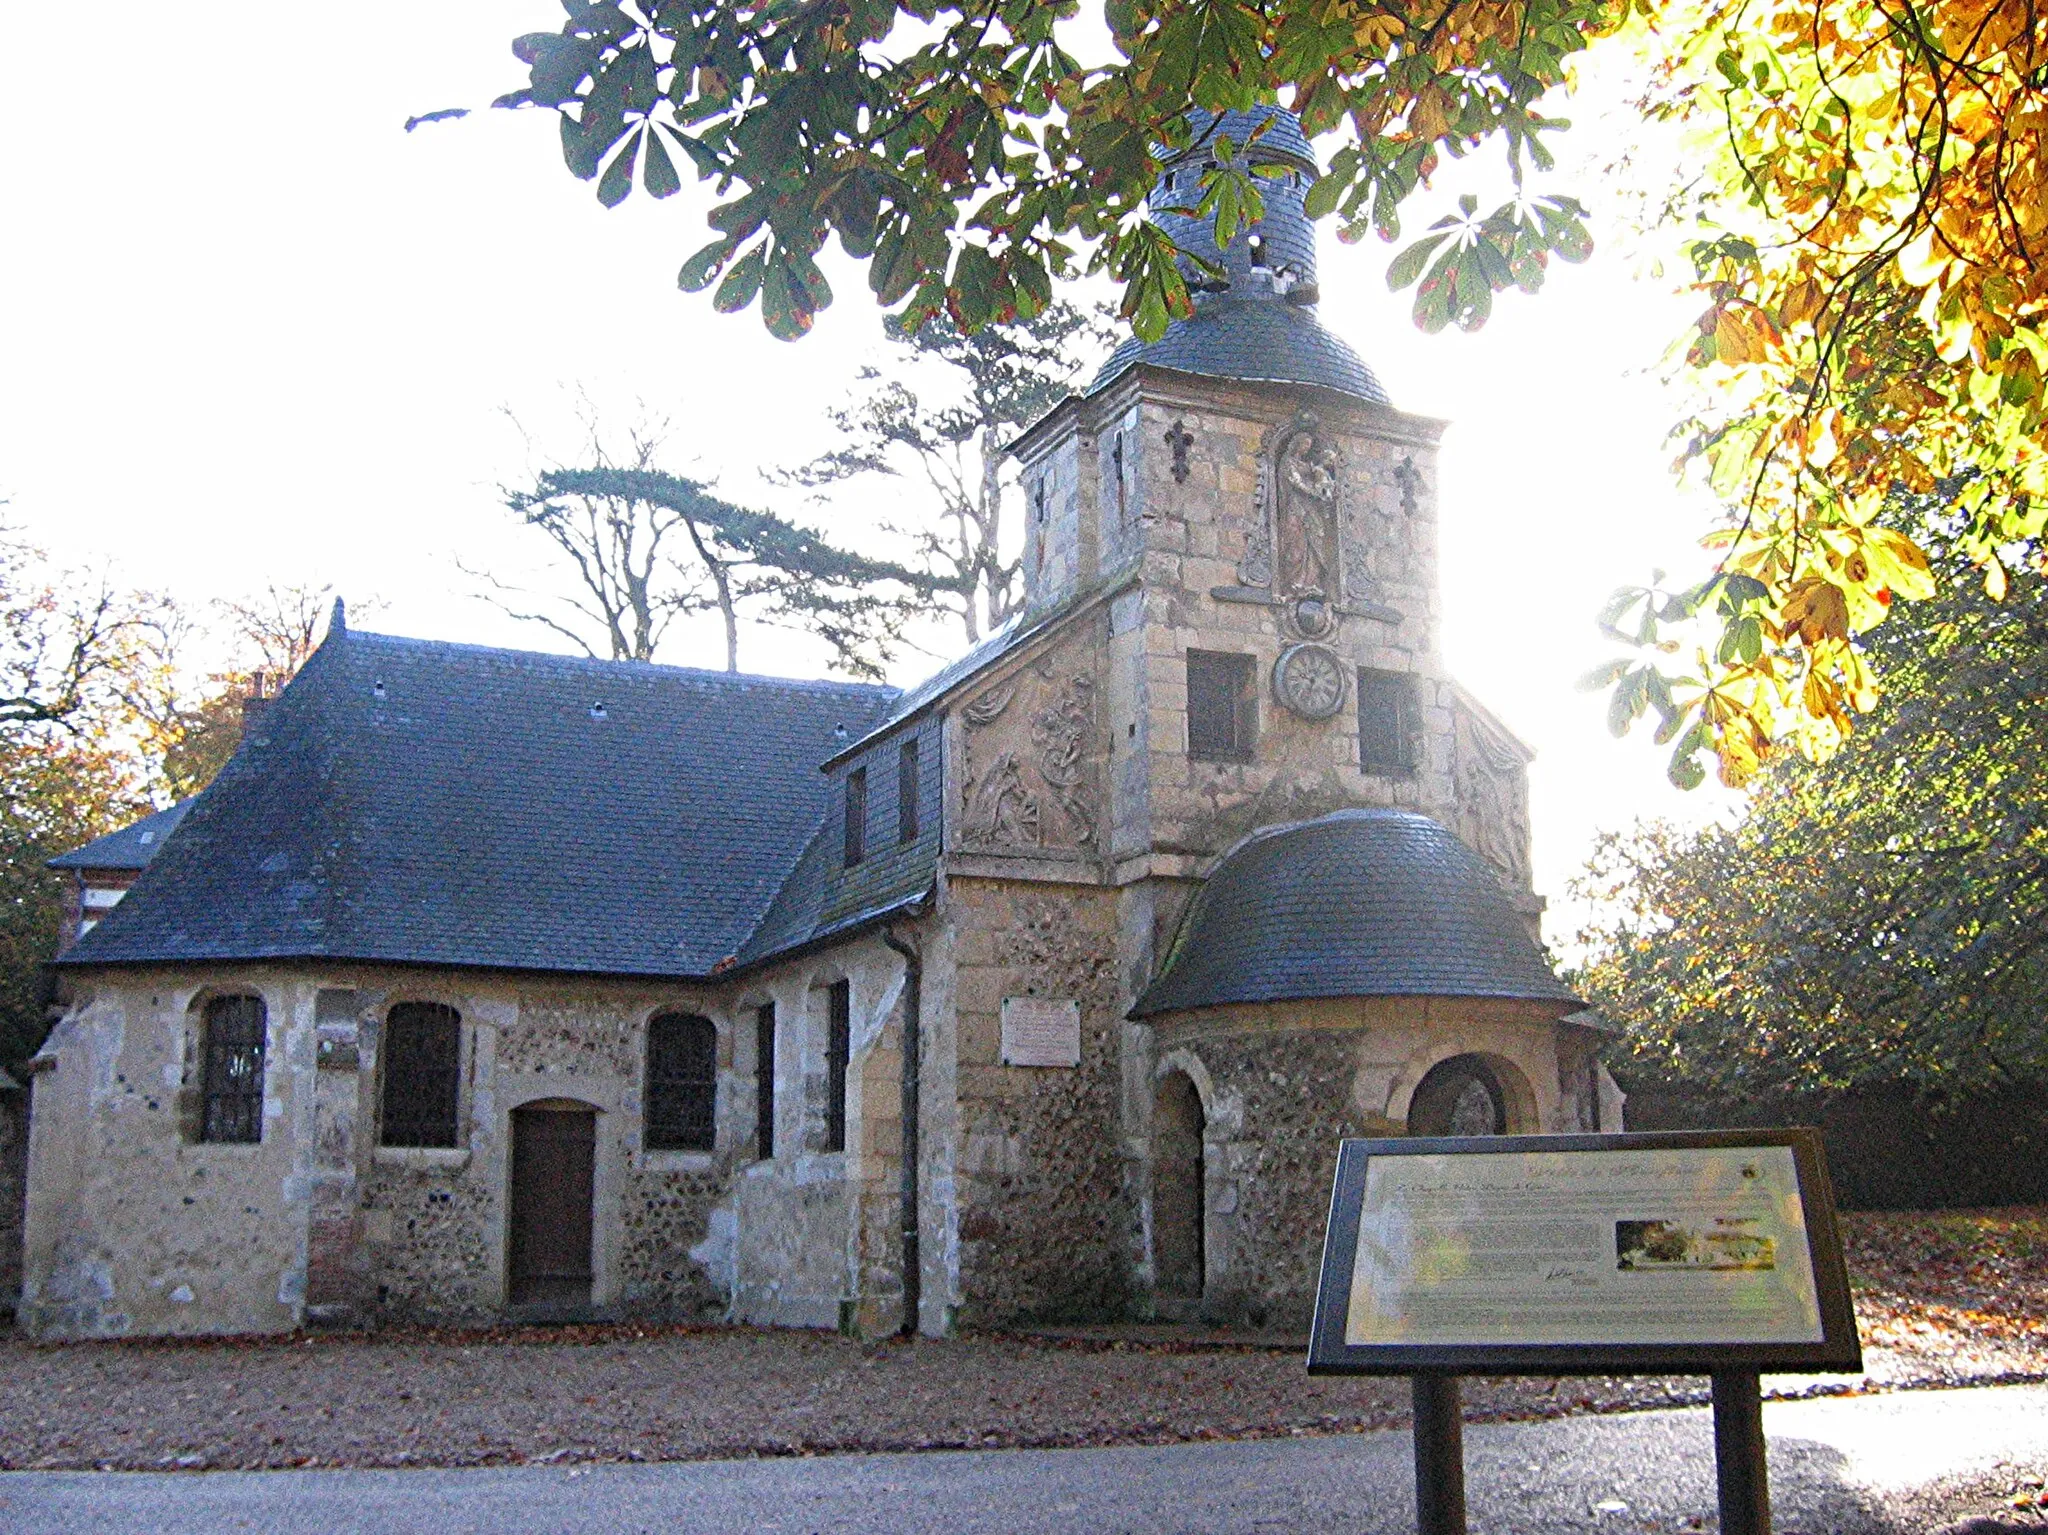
1839,1349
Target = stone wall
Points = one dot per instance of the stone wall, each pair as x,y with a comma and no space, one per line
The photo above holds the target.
135,1226
14,1110
1281,1084
1043,1223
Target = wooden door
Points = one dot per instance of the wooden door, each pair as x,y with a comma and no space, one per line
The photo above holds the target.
554,1153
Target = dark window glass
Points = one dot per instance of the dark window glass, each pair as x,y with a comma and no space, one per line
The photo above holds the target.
234,1070
856,816
838,1050
422,1074
906,792
1219,707
682,1083
764,1081
1386,722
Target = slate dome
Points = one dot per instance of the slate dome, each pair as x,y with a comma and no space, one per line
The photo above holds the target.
1257,324
1359,903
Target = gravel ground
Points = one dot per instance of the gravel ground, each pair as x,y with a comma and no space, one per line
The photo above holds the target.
1943,1300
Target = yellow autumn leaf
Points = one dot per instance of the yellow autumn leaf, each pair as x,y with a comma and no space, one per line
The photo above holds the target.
1901,563
1919,265
1818,610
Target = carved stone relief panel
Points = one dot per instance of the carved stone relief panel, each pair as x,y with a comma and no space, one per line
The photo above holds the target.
1032,771
1492,781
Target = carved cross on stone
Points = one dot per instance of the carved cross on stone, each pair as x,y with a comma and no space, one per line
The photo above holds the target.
1180,439
1410,480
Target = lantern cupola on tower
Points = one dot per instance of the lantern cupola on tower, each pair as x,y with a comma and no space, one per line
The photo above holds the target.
1256,322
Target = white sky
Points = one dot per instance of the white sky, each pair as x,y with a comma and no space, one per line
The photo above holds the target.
255,332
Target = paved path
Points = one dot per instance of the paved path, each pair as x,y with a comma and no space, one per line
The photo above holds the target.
1833,1464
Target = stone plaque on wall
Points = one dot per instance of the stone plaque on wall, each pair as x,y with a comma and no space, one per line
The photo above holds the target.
1041,1031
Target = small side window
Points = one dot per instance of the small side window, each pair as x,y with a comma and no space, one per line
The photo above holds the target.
1387,721
422,1075
233,1091
682,1083
906,792
838,1054
764,1081
856,816
1219,706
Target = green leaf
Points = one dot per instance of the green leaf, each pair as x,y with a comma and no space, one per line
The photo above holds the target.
1605,675
742,282
1408,265
1323,196
698,271
617,180
785,306
661,179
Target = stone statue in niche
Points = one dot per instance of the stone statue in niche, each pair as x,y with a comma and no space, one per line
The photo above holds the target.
1493,796
1030,773
1306,475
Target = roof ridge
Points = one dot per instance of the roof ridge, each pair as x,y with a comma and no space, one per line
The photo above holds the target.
598,664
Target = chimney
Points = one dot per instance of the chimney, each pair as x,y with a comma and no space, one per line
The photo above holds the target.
253,706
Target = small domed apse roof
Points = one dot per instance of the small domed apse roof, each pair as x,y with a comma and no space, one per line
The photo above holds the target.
1361,903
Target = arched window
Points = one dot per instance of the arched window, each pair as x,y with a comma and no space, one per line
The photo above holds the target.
233,1108
422,1075
682,1083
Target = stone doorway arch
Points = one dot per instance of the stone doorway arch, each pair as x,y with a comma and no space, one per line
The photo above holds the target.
1178,1193
1460,1096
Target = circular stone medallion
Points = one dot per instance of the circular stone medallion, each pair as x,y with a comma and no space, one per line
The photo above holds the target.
1309,679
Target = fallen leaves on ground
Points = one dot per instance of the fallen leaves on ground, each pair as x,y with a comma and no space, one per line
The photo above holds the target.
1943,1298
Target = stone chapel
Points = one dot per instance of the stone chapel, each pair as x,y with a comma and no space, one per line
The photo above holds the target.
484,984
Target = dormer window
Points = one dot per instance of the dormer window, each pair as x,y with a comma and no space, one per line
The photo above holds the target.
856,816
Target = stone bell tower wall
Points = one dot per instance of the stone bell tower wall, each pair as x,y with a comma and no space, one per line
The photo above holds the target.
1186,508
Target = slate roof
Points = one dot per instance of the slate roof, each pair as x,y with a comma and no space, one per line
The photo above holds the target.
1359,903
1282,140
1257,340
418,802
131,847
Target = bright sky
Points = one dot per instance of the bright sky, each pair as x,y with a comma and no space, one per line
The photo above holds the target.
255,332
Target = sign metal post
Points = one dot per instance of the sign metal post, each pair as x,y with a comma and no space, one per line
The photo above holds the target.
1439,1456
1694,1253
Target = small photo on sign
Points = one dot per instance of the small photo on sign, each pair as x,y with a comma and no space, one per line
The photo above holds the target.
1041,1031
1672,1244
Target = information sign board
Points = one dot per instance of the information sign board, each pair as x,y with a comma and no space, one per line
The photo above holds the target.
1041,1031
1583,1254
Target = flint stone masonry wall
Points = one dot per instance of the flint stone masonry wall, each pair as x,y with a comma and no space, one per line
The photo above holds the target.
1043,1222
220,1238
1282,1083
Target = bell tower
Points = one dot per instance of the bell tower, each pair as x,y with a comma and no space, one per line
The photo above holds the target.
1262,521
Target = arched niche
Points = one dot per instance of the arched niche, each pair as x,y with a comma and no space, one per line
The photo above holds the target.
1475,1093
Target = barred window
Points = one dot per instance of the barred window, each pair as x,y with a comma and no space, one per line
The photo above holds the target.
682,1083
838,1052
1219,706
422,1075
856,816
906,791
1386,722
233,1108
